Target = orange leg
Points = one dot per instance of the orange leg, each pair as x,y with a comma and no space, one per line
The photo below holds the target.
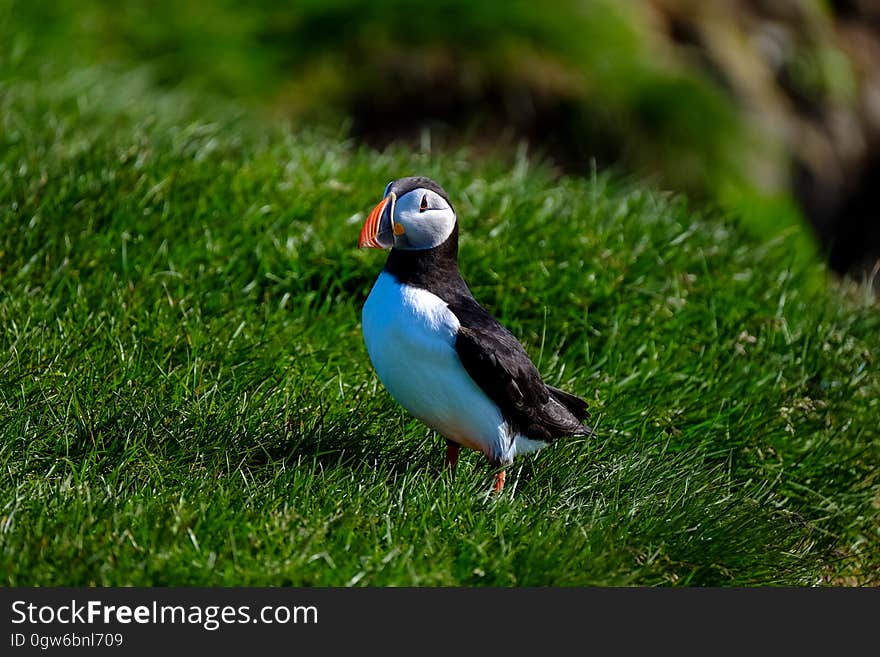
498,486
452,452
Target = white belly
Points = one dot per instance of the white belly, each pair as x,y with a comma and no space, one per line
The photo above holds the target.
410,337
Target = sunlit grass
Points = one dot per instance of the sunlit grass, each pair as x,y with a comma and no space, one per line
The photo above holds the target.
185,398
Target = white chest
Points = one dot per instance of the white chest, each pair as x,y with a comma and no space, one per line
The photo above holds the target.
405,325
410,337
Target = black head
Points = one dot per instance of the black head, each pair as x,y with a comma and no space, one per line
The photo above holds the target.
406,185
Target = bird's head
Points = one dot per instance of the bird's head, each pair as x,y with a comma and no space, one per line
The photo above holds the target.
413,214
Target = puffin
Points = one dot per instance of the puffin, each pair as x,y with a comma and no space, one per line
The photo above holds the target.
439,353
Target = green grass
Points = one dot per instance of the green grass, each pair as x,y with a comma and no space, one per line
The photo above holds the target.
185,398
581,80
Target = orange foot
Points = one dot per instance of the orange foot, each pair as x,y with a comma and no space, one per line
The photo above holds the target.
499,481
452,452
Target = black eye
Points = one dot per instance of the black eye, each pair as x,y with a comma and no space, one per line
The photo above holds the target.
424,204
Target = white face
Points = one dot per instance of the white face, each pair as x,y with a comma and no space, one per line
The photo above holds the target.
422,220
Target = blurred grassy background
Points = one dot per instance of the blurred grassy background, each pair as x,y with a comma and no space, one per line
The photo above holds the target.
768,108
185,398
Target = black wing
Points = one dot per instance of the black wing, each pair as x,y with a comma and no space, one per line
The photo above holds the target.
497,362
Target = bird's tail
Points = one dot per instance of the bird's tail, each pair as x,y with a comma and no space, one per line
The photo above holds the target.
575,405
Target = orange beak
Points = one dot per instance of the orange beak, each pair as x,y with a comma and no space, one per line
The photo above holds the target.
377,232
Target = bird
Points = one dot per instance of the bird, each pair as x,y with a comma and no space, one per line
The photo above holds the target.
439,353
